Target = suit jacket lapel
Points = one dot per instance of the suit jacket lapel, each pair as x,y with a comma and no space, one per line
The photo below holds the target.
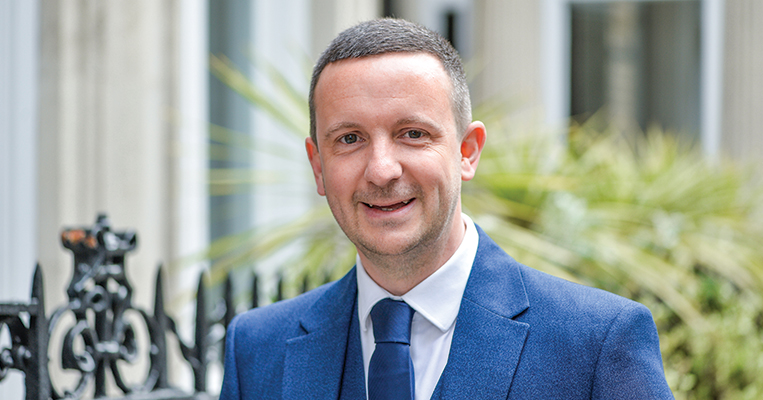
487,342
322,346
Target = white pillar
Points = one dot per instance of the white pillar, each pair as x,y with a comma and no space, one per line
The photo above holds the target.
712,76
329,17
508,56
743,82
19,55
123,130
621,40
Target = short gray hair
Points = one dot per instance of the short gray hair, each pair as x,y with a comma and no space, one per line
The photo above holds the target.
391,35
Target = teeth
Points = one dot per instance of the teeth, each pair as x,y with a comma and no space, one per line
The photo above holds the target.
405,202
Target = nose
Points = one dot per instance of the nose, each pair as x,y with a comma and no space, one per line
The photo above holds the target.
383,165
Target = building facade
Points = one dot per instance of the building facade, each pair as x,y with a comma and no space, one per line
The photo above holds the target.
105,106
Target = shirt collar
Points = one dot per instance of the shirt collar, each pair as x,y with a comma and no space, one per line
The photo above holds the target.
438,297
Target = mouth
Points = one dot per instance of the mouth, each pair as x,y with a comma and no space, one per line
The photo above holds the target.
389,207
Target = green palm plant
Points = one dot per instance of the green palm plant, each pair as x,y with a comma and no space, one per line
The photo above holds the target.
648,218
324,252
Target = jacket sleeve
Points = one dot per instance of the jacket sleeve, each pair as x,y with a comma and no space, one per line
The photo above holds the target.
630,363
230,389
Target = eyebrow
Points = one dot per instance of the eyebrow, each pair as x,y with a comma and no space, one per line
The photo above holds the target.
402,121
341,126
418,121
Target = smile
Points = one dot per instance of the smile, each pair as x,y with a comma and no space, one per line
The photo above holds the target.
389,207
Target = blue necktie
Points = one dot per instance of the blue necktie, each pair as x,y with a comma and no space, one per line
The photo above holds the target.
390,373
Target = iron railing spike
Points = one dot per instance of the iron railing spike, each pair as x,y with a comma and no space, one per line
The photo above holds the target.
37,376
37,289
255,292
230,309
279,293
160,339
200,347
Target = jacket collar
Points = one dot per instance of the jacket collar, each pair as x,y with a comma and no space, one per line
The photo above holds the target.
314,360
487,342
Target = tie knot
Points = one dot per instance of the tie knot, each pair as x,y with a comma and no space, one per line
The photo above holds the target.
392,321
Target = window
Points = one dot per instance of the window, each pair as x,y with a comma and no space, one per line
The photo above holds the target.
638,61
669,36
229,35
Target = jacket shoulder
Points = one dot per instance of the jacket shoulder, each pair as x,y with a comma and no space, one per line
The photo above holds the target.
584,342
277,319
548,293
257,340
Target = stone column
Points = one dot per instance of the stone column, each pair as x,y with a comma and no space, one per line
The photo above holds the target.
507,56
107,141
19,62
333,16
622,40
742,119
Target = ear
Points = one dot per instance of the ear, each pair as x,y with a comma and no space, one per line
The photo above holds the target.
471,149
315,163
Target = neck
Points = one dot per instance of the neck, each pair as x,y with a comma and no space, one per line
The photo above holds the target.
399,273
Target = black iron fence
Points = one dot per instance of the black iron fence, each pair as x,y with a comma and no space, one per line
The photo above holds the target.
102,340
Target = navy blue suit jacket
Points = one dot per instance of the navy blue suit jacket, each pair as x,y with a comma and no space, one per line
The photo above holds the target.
520,334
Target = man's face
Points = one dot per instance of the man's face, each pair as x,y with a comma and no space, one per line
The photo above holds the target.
388,157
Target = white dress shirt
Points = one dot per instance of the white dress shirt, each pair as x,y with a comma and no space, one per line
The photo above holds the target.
436,301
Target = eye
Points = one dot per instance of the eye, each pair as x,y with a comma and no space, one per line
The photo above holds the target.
349,138
414,134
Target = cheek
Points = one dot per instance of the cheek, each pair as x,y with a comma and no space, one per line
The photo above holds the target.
448,155
442,176
436,169
340,180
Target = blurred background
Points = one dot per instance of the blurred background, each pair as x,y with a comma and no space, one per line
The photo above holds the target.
117,106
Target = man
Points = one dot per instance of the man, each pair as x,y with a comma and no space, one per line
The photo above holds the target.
433,308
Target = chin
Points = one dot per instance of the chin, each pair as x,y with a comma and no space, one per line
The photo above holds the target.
396,244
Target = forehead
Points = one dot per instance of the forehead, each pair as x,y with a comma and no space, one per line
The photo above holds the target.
384,74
